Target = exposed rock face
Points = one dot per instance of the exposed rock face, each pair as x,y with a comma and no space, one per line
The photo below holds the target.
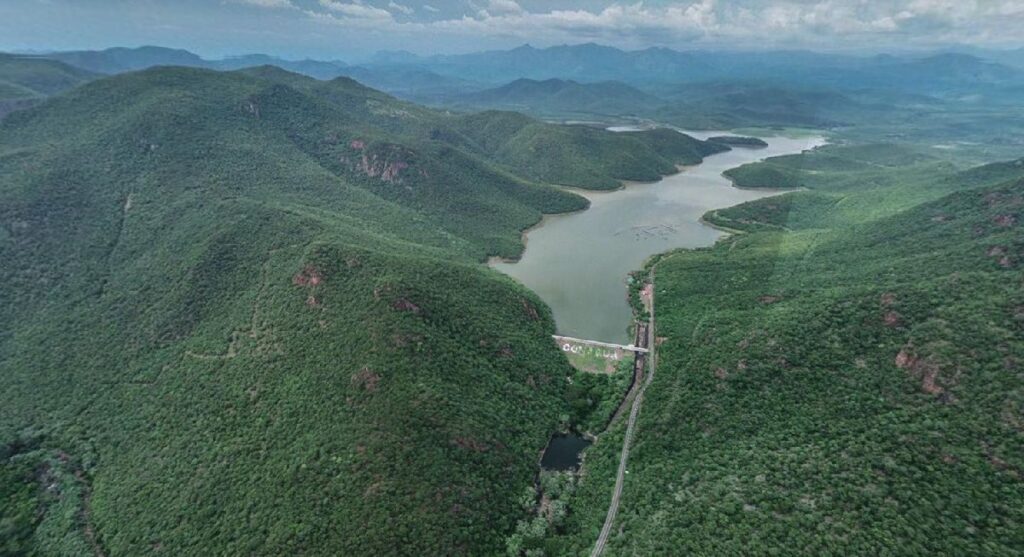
389,171
366,379
1005,220
403,304
927,369
309,276
387,162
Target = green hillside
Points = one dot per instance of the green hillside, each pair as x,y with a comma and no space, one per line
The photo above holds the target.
24,80
243,315
572,155
29,76
843,379
560,154
853,394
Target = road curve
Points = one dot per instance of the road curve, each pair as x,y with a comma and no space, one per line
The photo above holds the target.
620,478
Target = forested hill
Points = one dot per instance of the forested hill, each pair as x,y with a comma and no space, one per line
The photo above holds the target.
26,80
561,96
242,314
843,378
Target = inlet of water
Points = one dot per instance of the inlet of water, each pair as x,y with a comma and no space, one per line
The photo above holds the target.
578,263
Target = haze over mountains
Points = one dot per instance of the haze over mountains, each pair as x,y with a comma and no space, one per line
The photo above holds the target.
692,89
245,308
595,63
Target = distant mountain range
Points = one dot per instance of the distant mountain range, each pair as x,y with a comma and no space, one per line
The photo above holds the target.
593,63
119,60
394,78
560,95
694,89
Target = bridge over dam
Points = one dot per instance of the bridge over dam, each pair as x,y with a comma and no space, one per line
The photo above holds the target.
596,356
565,341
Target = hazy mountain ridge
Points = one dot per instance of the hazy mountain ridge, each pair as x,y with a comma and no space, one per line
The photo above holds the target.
594,63
692,89
559,95
24,80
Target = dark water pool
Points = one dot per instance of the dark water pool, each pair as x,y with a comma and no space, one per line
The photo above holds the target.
563,452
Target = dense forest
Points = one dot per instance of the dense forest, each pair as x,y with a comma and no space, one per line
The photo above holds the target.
244,313
844,378
26,81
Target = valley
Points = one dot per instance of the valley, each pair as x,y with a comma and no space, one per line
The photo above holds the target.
260,306
578,263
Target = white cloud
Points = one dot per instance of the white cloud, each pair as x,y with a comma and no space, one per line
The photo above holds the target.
356,10
504,7
401,8
277,4
736,22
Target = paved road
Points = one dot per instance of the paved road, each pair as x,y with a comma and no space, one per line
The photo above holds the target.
613,507
639,365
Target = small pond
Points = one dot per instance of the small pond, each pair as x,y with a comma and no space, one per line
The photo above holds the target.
563,452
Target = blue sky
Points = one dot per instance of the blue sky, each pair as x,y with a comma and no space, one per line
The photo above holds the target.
351,29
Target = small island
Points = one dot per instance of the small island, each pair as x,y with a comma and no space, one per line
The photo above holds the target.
738,141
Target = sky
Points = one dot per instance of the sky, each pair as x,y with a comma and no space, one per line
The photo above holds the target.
352,30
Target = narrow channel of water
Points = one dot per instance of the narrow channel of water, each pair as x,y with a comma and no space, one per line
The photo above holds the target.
578,263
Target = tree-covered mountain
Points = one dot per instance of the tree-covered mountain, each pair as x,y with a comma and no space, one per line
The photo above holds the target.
411,82
122,59
25,76
692,89
244,313
594,63
932,74
587,62
849,390
26,80
318,69
841,378
559,96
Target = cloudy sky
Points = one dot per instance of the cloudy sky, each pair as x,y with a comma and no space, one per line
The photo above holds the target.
351,29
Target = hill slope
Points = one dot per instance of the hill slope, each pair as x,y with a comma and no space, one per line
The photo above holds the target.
845,391
845,378
564,96
553,153
24,80
243,313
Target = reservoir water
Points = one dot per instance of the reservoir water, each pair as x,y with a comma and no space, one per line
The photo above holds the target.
578,263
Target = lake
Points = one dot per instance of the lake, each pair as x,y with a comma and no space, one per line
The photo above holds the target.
578,263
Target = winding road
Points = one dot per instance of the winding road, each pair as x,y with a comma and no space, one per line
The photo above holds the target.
613,507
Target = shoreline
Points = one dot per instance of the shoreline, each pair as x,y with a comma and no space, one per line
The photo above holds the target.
584,193
609,211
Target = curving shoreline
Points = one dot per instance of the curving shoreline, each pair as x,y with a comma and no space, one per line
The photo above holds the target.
578,262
